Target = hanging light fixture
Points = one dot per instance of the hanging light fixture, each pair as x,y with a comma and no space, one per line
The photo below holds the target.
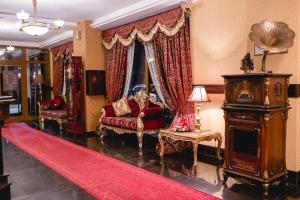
35,27
10,48
7,50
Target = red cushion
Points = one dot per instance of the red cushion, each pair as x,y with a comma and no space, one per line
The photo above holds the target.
61,114
45,104
154,123
109,111
153,112
134,107
57,103
122,122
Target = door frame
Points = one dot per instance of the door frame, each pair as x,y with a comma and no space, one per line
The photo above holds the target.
23,64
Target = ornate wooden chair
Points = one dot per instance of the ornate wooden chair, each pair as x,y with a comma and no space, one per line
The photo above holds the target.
147,117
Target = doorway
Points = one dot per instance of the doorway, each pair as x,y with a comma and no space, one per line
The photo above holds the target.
18,71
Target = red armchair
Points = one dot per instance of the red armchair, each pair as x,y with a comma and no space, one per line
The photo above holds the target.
143,119
53,109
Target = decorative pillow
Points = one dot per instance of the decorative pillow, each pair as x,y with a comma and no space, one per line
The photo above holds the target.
57,103
121,107
134,107
45,104
109,111
141,98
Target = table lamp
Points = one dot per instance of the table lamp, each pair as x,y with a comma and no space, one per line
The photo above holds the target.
198,95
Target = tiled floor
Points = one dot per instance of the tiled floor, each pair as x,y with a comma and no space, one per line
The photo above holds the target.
33,180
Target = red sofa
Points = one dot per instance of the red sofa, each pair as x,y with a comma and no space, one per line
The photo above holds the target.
147,117
53,109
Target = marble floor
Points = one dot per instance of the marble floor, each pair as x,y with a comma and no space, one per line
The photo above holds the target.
31,180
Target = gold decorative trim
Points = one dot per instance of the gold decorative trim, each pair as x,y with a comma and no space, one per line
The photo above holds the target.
121,131
267,120
140,98
266,175
42,118
267,84
145,37
194,137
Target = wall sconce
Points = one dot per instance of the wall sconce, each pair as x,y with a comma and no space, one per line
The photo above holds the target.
78,35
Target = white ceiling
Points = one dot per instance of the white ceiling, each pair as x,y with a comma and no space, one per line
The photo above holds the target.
104,14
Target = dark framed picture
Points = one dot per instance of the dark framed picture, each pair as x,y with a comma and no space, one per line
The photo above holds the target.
95,82
259,52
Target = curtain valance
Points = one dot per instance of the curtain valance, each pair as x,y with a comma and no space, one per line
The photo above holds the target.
168,22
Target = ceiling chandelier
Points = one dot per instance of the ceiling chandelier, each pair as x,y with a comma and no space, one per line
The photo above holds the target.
7,50
36,27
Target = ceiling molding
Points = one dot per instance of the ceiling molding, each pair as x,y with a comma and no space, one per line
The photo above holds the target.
4,15
124,15
51,42
108,21
57,40
20,44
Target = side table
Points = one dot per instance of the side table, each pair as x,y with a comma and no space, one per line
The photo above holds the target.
194,137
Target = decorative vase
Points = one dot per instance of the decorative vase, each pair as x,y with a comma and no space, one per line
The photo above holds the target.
247,64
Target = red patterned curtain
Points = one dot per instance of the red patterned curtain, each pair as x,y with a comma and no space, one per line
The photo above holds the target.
168,19
58,67
173,62
58,71
116,58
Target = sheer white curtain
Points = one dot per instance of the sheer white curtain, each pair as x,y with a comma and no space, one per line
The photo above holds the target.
130,57
152,69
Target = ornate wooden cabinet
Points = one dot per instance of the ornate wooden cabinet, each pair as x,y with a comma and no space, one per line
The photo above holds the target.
255,111
75,97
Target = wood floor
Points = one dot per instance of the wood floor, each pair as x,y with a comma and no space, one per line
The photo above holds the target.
31,180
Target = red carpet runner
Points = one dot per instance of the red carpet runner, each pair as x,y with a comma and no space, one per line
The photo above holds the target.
101,176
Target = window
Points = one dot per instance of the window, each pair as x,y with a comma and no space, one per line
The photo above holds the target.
141,78
35,91
138,70
36,54
10,85
13,55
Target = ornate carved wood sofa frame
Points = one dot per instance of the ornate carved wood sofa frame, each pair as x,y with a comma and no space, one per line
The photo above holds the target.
149,120
59,115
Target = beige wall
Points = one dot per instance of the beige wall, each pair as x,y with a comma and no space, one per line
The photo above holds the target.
219,40
90,49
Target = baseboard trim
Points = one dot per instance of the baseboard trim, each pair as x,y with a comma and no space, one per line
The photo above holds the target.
90,133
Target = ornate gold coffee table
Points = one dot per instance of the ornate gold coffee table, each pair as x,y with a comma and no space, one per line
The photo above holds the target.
194,137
